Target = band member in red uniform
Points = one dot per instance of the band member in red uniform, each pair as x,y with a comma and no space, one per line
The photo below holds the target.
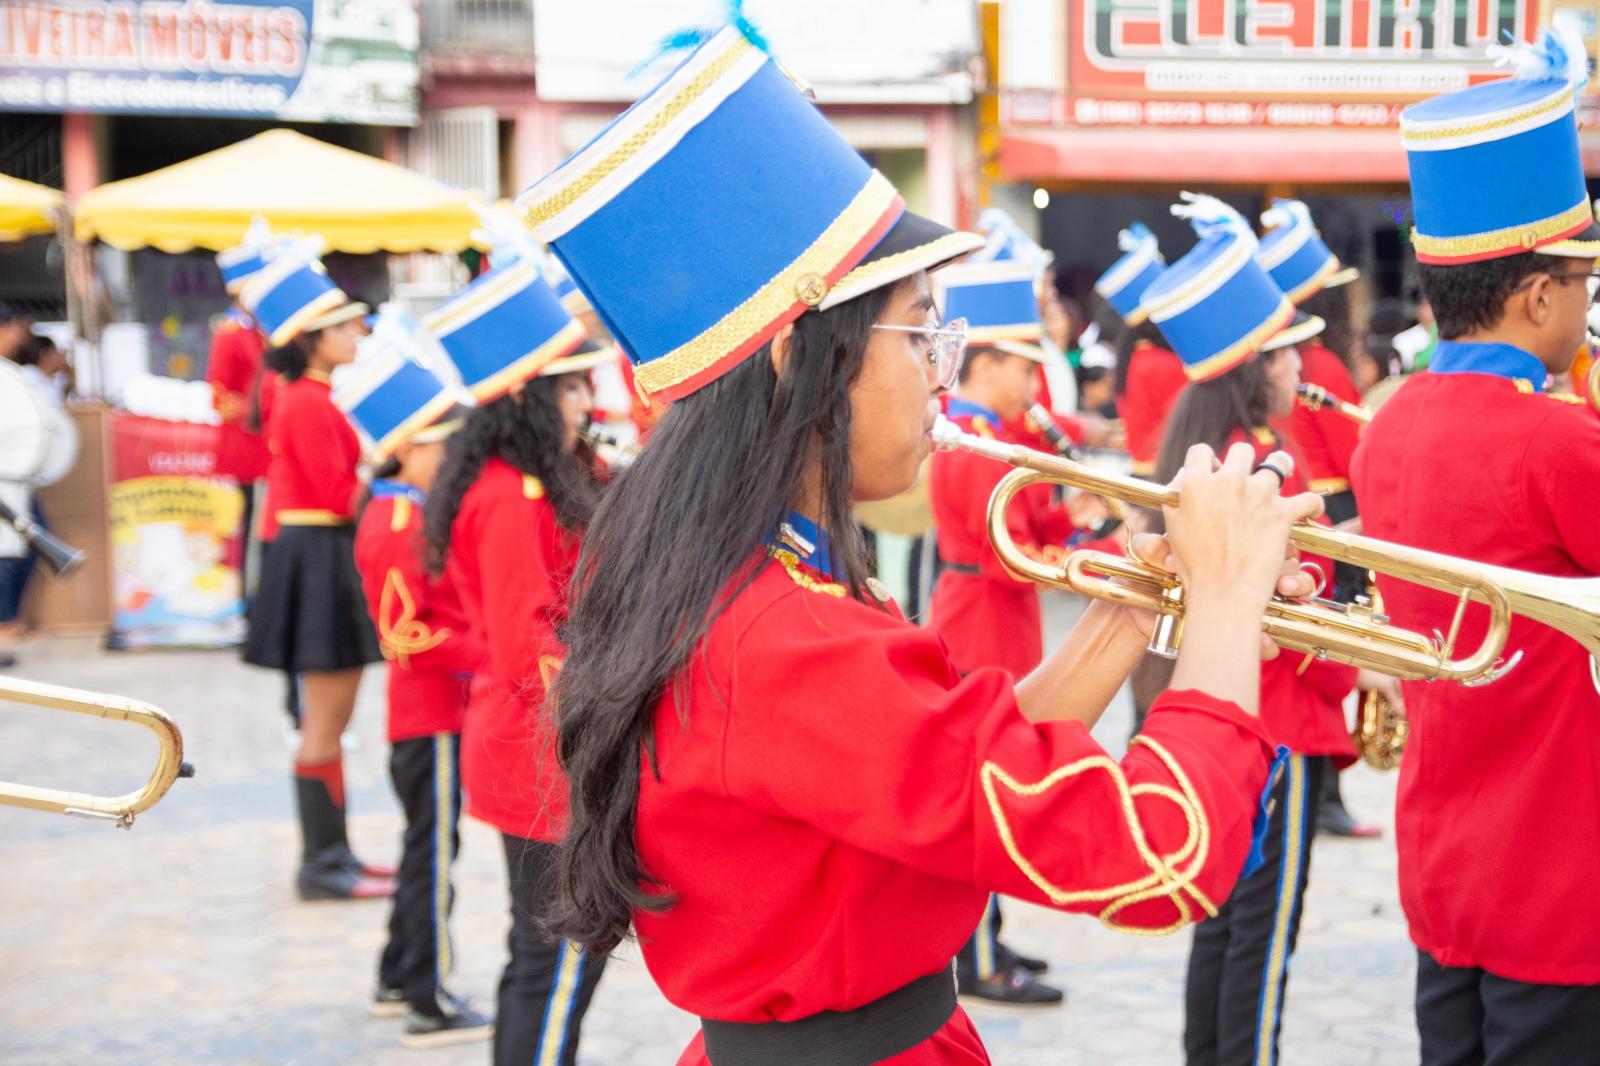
1235,331
986,616
308,617
787,788
404,414
1149,377
1308,272
234,371
504,521
1497,824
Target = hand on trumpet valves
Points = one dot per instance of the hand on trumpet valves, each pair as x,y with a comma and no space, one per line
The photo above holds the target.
1384,685
1156,550
1230,532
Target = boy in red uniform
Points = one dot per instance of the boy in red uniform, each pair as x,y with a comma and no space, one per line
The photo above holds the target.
1498,818
986,616
404,415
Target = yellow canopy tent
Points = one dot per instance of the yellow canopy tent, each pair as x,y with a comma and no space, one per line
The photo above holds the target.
27,209
356,203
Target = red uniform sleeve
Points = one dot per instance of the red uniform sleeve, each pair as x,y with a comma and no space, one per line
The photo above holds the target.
887,750
523,604
1155,378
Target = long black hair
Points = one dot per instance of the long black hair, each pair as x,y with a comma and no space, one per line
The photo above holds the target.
289,361
1208,412
724,466
1333,307
528,435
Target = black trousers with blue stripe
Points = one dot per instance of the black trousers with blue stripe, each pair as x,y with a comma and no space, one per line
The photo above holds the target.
547,984
418,956
1239,964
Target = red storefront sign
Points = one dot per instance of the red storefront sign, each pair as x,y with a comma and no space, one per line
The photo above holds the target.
1276,63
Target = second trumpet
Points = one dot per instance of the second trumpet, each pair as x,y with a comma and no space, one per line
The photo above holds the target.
1348,633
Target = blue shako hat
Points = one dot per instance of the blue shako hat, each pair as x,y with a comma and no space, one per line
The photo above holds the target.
1293,252
1495,168
292,295
1126,281
504,329
247,258
999,301
1216,306
389,394
718,208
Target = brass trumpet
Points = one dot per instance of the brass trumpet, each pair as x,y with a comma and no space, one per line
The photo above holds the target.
1315,398
1348,633
120,810
1381,731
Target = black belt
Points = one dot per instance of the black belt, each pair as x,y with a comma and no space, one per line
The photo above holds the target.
880,1030
961,568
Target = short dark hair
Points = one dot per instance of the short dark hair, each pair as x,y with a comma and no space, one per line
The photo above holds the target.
33,350
974,353
1468,297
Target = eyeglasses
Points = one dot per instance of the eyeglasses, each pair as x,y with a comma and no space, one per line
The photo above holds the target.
1591,278
947,345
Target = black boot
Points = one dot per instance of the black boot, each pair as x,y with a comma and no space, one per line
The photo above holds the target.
326,869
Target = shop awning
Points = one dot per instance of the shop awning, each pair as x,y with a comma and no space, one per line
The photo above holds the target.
1169,154
356,202
27,209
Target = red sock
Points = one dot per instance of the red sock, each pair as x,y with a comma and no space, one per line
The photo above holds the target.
330,773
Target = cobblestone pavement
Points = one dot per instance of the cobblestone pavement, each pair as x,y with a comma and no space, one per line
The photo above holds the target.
182,942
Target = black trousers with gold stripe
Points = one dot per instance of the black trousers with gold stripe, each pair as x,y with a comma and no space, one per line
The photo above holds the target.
418,956
548,983
1239,964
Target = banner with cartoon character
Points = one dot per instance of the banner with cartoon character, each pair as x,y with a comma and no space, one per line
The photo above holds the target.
176,537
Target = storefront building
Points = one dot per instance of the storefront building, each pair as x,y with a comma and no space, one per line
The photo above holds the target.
1107,108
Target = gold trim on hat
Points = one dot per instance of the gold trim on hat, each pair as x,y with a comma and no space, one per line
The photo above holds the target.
1241,349
528,366
769,302
1440,133
539,213
450,317
296,324
412,428
1316,282
1524,238
880,272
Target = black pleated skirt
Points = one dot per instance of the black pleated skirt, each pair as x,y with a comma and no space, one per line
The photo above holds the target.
308,612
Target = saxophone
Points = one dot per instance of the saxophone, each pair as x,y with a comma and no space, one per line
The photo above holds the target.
1381,730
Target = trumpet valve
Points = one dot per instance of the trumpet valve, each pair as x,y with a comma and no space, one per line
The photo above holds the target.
1167,632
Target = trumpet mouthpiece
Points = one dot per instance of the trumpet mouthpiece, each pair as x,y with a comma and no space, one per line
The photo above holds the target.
946,434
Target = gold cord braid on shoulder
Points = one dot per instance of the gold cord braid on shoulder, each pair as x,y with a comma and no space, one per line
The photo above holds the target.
1169,877
791,563
400,633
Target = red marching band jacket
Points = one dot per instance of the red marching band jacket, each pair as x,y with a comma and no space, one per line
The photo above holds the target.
233,370
510,560
1498,816
1155,378
312,474
422,628
986,616
835,802
1326,438
1301,698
